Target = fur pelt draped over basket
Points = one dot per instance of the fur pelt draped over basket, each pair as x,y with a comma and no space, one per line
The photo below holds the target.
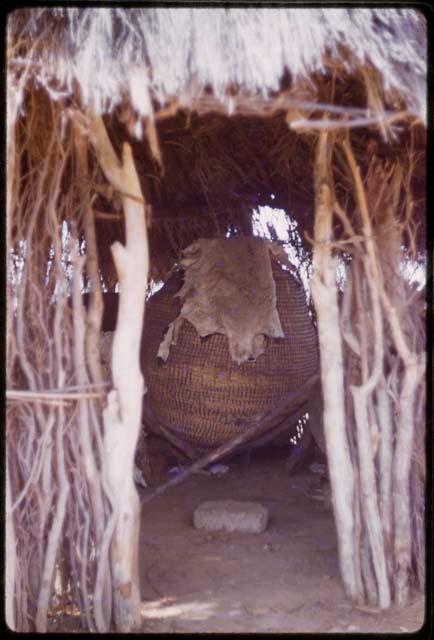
200,392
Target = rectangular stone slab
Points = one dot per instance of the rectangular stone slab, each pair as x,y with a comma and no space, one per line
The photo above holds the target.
231,515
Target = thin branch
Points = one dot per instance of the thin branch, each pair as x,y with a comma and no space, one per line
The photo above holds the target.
53,396
329,125
245,105
96,306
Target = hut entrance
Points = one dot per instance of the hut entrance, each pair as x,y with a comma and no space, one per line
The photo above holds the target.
139,161
286,579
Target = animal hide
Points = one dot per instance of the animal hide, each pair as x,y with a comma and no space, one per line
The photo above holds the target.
229,289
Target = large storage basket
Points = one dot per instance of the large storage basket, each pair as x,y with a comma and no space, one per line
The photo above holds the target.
200,392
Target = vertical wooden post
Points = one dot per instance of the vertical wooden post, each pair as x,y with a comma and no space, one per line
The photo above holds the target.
10,557
96,307
10,573
123,412
101,605
324,295
414,368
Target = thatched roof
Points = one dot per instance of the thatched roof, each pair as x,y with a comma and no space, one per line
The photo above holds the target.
159,54
177,73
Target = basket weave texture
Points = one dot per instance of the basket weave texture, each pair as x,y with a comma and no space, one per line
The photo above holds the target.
200,392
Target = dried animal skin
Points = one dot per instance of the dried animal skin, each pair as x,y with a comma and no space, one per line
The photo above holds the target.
228,289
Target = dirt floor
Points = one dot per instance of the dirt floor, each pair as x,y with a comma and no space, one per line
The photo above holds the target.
283,580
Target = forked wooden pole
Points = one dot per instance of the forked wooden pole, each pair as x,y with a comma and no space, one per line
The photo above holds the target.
123,412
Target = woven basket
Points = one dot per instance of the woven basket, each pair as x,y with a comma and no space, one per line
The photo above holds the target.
200,392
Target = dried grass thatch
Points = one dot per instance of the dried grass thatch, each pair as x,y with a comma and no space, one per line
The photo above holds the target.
275,71
160,54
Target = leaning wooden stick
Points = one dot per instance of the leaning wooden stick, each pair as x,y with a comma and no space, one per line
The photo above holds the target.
255,427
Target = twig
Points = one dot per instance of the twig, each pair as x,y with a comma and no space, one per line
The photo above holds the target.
401,473
96,307
102,610
81,387
367,572
347,331
243,104
11,556
384,415
330,125
55,532
336,244
369,496
130,196
52,396
115,217
357,527
33,476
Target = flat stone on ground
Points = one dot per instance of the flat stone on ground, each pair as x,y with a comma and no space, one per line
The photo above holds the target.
231,515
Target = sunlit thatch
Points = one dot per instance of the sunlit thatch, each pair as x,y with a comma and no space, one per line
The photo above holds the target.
177,73
145,54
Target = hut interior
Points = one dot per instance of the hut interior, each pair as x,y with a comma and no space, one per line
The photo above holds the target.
128,150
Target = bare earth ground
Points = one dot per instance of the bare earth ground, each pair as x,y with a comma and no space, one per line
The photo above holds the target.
283,580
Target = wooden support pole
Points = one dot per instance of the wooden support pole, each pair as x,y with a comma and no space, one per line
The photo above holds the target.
324,295
401,477
11,560
122,416
10,557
